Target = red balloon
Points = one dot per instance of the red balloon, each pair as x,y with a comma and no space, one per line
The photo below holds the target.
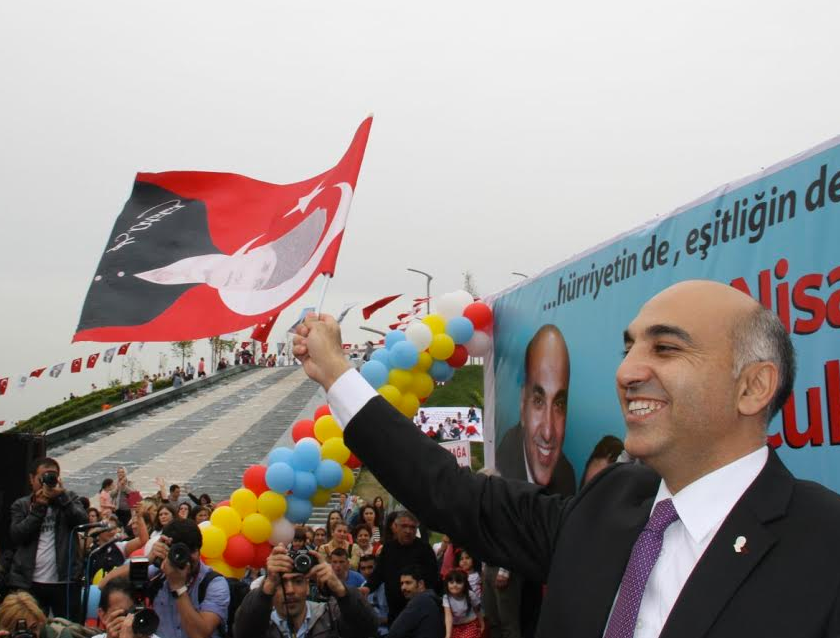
261,553
479,314
353,462
303,429
239,551
323,410
254,479
459,357
223,503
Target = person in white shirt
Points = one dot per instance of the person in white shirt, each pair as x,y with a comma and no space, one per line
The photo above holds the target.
698,539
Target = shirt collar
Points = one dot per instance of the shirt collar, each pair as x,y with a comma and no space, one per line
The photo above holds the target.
283,625
703,504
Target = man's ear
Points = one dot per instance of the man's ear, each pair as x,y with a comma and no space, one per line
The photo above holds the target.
757,387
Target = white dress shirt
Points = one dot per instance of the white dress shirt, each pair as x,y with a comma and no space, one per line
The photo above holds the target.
702,506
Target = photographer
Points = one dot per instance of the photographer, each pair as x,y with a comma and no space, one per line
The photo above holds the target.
176,586
40,531
277,607
116,604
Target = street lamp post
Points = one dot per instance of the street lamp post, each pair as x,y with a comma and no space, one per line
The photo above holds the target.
520,274
428,288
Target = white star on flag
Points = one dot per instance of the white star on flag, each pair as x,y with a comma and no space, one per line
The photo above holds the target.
304,201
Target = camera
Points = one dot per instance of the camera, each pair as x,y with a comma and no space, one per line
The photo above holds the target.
302,560
179,556
50,479
21,630
146,620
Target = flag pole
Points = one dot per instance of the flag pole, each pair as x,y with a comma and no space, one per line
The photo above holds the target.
320,305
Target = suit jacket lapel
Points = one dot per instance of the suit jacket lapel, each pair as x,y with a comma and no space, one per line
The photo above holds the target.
721,570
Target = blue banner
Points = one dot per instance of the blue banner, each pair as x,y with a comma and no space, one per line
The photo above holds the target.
774,235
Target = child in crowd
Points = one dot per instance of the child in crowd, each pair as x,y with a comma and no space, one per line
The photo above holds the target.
462,607
467,565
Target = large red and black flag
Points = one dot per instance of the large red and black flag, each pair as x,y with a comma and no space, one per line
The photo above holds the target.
197,254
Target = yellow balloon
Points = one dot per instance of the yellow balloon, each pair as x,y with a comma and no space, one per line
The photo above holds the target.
238,572
422,385
321,497
409,404
400,379
442,347
256,528
227,519
219,565
326,427
99,575
335,450
436,323
271,504
244,501
213,541
424,362
391,394
347,480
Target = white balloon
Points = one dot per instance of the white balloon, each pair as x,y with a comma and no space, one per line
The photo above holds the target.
204,524
447,306
419,334
282,531
462,300
479,345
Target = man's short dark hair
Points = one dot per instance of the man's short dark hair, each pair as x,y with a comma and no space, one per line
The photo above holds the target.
408,515
115,584
339,552
414,571
367,558
43,461
174,487
300,533
184,530
360,527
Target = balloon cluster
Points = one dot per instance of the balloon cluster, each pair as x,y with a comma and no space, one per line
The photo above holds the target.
429,350
274,497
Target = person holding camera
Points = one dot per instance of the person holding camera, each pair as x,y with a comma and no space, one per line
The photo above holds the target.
278,607
116,611
41,529
190,600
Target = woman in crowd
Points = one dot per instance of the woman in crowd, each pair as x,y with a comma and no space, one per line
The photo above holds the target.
200,513
93,515
370,517
363,536
319,537
205,501
333,518
379,506
341,538
106,503
310,537
19,613
165,515
184,510
461,607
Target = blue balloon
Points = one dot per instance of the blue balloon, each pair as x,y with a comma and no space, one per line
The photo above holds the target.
280,477
305,485
460,329
441,371
404,355
306,455
393,338
382,356
375,373
329,474
298,510
279,455
93,601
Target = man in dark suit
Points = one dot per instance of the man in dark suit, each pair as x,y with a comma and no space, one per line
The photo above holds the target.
709,536
532,450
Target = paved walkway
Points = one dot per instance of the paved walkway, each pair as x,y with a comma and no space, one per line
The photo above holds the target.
204,441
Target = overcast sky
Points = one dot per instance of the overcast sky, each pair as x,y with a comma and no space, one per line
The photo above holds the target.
507,136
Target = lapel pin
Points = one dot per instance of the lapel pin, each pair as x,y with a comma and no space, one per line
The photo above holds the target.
740,545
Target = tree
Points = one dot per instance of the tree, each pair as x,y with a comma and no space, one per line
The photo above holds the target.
184,349
469,284
218,346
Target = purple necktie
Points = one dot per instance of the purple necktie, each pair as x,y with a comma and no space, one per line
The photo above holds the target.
645,552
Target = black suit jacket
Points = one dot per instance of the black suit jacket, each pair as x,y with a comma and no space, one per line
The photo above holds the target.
510,461
785,585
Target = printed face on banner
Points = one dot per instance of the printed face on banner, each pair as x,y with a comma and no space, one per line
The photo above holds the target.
772,237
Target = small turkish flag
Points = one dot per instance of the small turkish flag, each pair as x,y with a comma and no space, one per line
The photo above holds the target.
123,348
76,365
4,383
264,347
367,311
245,345
262,330
37,373
92,359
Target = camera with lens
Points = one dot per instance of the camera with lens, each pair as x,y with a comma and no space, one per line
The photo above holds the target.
179,556
21,630
302,560
146,620
50,479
